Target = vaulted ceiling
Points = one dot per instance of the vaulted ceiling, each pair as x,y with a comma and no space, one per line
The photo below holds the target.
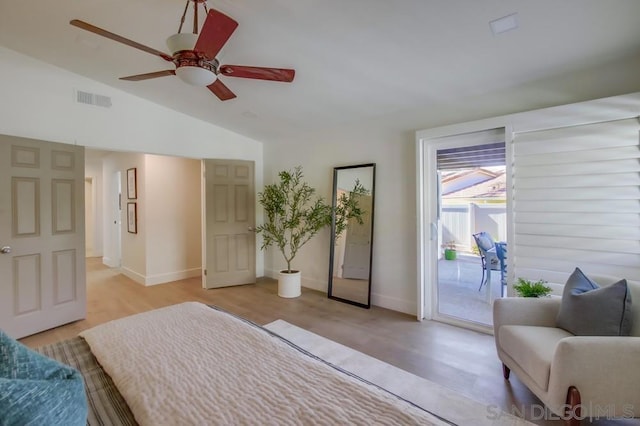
354,59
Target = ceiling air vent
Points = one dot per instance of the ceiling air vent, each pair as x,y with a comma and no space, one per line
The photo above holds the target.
93,99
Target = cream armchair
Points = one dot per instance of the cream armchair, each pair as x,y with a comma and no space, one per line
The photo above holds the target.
574,376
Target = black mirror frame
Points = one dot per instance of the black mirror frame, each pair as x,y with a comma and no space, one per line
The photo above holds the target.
333,233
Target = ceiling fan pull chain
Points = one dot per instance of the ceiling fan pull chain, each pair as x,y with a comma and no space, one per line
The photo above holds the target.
186,6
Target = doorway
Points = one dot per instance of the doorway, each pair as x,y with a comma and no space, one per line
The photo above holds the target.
466,289
153,235
89,223
466,179
170,238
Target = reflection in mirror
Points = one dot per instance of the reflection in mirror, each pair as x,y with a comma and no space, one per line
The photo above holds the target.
352,247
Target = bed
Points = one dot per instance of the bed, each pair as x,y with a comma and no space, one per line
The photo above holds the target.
196,364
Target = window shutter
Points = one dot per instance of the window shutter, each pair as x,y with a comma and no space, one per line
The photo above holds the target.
576,201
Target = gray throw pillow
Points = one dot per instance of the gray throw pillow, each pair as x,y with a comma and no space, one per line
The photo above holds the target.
590,310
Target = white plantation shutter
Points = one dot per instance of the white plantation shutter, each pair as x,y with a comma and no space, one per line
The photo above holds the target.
576,201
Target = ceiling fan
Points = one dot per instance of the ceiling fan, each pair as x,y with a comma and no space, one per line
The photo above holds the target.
194,56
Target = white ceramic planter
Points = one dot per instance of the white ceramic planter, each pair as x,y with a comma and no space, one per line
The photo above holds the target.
289,284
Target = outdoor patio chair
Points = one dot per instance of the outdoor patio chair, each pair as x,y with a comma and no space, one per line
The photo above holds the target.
501,252
488,256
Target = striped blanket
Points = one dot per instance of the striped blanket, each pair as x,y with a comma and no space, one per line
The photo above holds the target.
106,405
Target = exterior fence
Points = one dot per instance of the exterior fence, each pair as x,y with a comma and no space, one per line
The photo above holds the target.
458,222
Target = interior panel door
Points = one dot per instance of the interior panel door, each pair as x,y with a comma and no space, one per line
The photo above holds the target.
42,270
230,240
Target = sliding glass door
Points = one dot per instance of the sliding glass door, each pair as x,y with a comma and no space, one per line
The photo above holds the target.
467,184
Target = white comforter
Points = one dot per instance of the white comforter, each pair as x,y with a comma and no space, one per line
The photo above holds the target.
189,364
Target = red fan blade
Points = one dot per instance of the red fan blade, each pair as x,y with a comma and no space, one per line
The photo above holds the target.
216,30
273,74
149,75
116,37
221,91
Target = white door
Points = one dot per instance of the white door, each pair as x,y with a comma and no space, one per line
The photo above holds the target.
230,242
89,216
42,235
116,217
357,255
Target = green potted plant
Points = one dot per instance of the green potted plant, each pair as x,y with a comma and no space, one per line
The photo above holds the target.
450,250
294,215
526,288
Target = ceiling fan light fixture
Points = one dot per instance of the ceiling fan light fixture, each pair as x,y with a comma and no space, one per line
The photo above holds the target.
181,41
196,76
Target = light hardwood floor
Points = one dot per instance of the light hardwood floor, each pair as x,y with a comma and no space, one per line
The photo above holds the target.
459,359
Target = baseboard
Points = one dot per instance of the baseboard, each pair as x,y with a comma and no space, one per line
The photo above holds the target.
270,273
149,280
172,276
318,285
399,305
130,273
111,263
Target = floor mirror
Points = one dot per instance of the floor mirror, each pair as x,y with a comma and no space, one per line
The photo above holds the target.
352,246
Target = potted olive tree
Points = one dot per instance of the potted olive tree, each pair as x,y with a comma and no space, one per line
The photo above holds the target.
294,215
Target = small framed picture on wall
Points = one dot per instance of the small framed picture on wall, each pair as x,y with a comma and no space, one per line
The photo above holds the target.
132,218
132,190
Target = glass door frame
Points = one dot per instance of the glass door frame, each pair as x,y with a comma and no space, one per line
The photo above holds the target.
428,206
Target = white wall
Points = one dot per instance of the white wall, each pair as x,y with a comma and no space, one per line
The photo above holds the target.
171,214
393,269
38,102
43,107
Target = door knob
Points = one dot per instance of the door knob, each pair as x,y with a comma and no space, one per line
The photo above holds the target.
5,250
251,229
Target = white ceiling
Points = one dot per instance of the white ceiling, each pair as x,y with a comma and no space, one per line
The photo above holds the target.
355,59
